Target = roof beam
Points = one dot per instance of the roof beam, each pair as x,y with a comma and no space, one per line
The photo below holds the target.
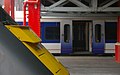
66,2
111,9
94,4
67,9
80,14
80,9
108,4
78,3
42,6
56,4
104,2
52,1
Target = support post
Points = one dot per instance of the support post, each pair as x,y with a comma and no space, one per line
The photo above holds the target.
33,15
12,9
117,46
9,7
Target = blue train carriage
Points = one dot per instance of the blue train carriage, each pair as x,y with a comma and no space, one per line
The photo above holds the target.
76,36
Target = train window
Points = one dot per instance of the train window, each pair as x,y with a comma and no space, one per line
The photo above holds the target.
98,33
66,33
52,33
110,32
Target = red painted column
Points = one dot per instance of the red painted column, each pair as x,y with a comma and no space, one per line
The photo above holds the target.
117,46
9,7
12,9
118,29
33,15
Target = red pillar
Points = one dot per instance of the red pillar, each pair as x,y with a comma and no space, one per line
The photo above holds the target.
9,7
33,15
118,29
12,9
117,46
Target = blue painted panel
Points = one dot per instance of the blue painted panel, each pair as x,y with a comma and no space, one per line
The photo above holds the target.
110,41
66,42
66,48
43,27
21,23
98,48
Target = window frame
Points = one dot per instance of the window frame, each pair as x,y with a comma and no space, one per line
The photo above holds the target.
98,33
67,33
49,24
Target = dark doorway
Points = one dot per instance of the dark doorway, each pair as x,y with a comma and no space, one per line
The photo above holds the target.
80,36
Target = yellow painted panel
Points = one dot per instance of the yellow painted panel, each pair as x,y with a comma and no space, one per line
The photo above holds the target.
32,42
47,59
24,33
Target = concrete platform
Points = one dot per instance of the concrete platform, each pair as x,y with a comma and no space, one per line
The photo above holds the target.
82,65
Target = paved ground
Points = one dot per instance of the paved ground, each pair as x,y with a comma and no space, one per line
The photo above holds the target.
82,65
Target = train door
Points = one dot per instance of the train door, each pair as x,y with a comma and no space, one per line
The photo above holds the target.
81,36
66,37
98,39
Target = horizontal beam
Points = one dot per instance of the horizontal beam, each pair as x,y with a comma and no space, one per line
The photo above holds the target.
81,14
66,15
66,9
81,9
110,9
80,18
